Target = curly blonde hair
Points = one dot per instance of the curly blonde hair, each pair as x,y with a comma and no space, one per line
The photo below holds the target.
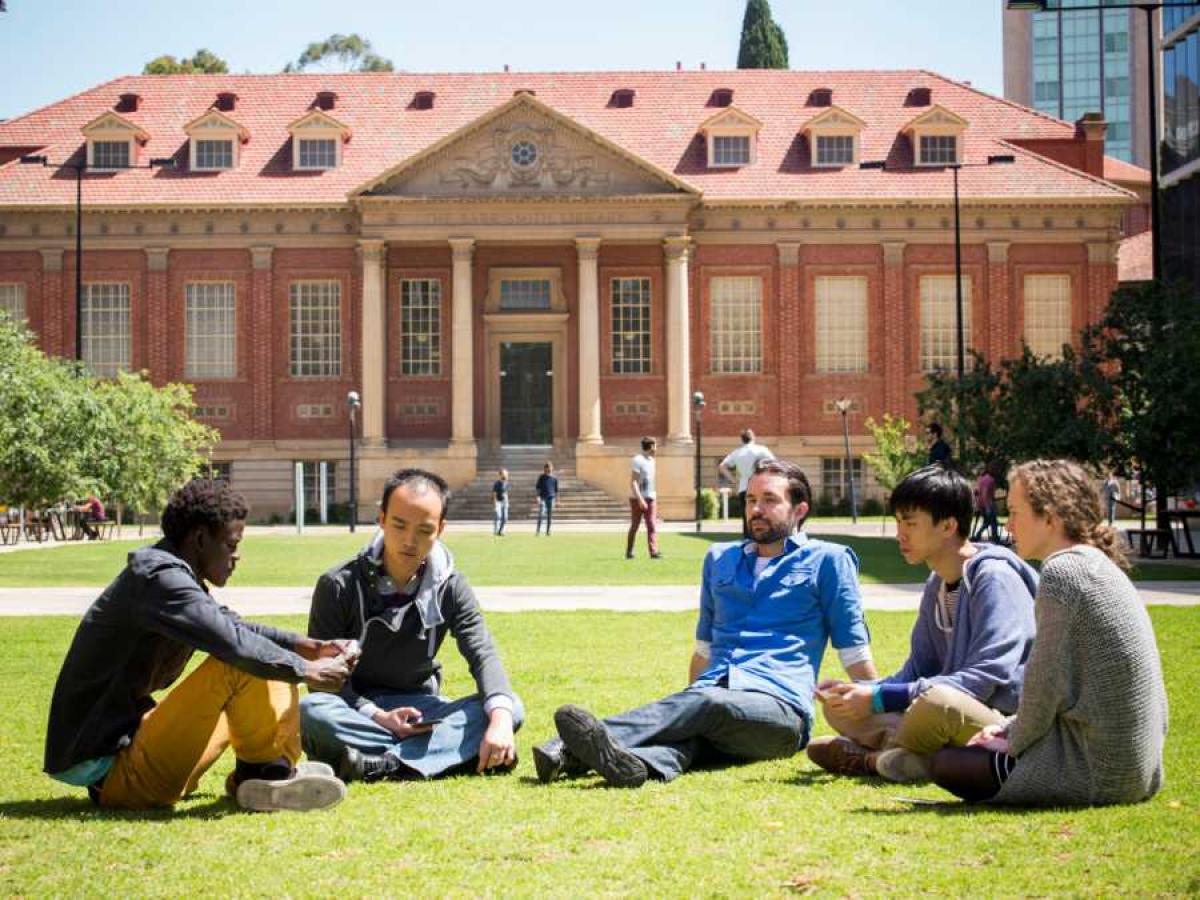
1066,490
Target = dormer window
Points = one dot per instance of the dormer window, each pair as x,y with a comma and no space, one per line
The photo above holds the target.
820,97
112,142
622,98
722,97
833,137
731,135
936,137
423,100
317,139
214,141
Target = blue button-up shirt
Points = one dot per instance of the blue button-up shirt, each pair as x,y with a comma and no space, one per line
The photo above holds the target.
769,634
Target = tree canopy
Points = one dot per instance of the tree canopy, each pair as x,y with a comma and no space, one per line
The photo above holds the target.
340,53
202,62
763,45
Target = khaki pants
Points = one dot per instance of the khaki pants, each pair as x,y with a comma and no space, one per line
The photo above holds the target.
217,705
941,717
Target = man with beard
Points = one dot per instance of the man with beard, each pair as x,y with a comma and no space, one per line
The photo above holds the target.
768,606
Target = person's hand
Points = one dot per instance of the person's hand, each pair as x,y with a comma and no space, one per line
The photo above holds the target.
346,649
851,701
327,674
498,748
403,721
991,737
642,504
824,687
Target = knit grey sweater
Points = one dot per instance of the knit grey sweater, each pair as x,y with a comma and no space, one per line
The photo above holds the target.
1093,715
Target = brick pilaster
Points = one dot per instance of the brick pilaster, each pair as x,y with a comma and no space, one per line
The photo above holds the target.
896,334
53,302
791,364
158,308
262,363
1000,303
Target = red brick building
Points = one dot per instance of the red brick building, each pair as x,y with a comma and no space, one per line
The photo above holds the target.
500,259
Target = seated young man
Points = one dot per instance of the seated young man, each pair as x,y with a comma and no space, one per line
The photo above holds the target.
768,606
400,598
107,734
973,635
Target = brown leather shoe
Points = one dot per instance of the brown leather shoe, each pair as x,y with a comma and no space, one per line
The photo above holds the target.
841,756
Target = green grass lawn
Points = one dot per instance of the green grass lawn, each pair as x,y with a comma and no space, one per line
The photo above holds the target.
516,559
765,829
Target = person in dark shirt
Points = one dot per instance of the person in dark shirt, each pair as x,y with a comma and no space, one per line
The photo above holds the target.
939,449
547,491
106,732
500,489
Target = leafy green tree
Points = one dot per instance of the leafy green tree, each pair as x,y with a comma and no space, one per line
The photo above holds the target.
763,45
968,411
897,452
203,62
340,53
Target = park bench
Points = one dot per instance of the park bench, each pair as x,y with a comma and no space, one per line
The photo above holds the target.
1152,542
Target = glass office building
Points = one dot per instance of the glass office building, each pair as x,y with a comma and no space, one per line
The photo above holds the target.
1181,143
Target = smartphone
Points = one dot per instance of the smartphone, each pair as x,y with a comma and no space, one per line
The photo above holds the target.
425,722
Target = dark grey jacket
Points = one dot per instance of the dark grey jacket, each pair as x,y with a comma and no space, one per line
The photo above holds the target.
400,643
136,639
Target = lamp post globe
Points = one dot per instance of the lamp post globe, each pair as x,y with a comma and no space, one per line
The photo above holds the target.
698,408
353,402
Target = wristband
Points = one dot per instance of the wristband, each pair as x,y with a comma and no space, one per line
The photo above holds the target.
876,700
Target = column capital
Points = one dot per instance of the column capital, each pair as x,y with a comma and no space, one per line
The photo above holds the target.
373,250
462,248
893,253
1102,252
587,247
997,252
260,256
52,259
677,246
156,258
789,254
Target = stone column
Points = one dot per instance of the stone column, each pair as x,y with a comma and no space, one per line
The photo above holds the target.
679,356
1000,303
52,303
588,251
261,356
462,384
158,313
896,398
374,342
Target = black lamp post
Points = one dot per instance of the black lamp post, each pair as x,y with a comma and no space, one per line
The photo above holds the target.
698,406
353,402
843,406
1152,93
79,168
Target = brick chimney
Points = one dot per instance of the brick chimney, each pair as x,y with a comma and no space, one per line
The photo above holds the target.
1090,129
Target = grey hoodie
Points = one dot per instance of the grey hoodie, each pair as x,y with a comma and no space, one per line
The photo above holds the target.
400,642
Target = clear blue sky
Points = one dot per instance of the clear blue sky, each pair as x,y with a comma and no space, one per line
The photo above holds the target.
50,49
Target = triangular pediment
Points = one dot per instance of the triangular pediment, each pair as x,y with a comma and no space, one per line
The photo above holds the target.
937,117
731,117
318,120
524,148
214,120
113,123
834,118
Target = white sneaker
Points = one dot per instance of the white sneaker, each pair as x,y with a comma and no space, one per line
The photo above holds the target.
903,766
307,788
312,767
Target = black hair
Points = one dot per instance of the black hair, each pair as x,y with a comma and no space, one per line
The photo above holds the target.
648,442
747,435
202,503
799,490
939,490
421,479
935,428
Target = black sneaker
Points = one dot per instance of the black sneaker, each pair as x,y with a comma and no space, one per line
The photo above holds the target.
656,556
357,766
629,554
552,760
588,740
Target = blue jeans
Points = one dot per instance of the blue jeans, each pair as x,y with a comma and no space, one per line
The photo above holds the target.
500,516
708,724
546,507
328,723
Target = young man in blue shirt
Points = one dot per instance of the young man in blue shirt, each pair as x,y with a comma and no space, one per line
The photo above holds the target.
768,606
973,634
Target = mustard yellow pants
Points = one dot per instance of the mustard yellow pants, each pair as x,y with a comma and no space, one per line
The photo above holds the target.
180,738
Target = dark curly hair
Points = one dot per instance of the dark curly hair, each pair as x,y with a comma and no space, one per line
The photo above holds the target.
202,502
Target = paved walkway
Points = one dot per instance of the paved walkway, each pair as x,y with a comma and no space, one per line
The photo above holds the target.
261,601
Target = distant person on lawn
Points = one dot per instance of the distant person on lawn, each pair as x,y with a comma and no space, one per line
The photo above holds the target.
739,465
973,635
768,607
643,498
547,493
939,447
400,598
1092,720
106,732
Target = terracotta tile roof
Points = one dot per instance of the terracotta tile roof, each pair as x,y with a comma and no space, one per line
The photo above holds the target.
1134,258
661,127
1125,173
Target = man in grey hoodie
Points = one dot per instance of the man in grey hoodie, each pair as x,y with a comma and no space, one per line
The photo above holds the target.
399,599
973,635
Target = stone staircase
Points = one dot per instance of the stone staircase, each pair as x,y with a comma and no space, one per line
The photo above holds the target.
577,499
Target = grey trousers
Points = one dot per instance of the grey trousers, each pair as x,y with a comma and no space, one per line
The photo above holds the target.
702,724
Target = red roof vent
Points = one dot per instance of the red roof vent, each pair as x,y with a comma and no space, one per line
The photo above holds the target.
129,103
721,97
918,96
423,100
226,101
622,98
326,100
820,97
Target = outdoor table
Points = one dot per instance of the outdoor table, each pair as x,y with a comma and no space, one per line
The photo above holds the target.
1183,517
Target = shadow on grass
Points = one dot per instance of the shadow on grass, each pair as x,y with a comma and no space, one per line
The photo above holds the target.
63,808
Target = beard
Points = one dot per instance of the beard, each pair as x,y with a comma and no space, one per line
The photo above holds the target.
772,533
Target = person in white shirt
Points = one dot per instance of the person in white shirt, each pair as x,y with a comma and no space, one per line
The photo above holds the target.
739,466
641,499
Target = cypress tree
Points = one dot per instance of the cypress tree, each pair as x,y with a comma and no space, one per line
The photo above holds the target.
763,45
